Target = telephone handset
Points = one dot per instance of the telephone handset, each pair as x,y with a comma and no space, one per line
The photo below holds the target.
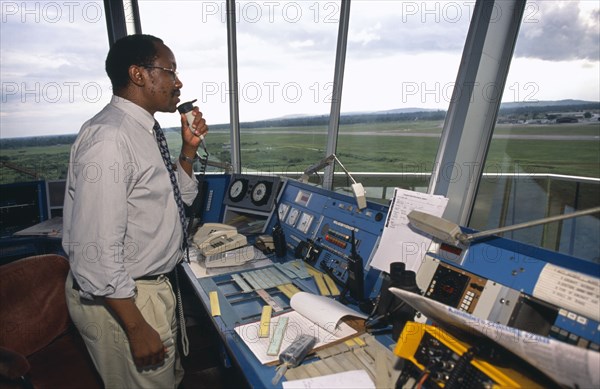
214,238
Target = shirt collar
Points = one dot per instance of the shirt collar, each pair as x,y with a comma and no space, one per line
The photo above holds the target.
138,113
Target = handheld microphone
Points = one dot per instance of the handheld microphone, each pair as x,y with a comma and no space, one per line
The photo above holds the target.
187,109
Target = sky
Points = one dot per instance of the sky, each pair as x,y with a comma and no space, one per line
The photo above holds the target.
400,54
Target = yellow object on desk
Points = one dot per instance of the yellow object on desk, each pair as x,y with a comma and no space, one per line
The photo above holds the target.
288,289
325,283
321,284
215,307
265,321
331,285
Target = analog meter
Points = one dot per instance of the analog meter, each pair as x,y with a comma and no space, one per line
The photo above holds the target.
238,189
293,216
282,211
260,193
305,222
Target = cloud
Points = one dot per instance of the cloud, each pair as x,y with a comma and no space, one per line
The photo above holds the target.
560,31
389,42
52,68
383,28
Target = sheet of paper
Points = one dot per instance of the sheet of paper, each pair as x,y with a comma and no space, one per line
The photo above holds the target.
297,325
358,379
566,364
569,289
324,311
399,242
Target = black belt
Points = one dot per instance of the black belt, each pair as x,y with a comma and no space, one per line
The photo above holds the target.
143,278
153,277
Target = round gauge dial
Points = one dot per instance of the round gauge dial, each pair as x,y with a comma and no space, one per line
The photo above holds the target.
260,193
237,190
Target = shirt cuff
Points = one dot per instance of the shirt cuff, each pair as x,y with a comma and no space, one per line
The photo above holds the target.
187,185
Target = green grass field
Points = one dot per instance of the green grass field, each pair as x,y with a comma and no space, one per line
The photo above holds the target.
371,147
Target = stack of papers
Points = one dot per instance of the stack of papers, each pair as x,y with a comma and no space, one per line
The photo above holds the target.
399,242
314,315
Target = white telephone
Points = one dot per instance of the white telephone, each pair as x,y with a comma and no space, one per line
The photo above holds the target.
235,257
214,238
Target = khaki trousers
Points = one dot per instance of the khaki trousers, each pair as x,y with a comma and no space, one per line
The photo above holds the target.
107,343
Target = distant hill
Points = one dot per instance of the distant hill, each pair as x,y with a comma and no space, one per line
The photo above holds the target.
390,111
568,103
546,107
399,114
354,113
403,114
544,103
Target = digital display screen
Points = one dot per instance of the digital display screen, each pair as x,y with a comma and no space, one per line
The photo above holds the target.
302,198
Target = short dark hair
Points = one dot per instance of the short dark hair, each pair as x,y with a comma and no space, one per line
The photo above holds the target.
138,49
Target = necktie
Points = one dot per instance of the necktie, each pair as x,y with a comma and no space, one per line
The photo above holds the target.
166,156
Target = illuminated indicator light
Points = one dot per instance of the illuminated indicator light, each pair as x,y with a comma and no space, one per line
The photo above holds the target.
451,249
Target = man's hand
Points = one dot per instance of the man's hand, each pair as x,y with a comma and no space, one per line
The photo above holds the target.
191,136
147,349
193,133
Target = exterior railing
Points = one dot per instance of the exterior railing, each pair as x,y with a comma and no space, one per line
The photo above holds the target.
505,199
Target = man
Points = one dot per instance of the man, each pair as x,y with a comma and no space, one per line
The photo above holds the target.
122,224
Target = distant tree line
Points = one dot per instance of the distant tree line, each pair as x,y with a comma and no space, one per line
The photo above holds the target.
531,109
49,140
321,120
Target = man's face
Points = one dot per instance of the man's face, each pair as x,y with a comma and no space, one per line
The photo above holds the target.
162,90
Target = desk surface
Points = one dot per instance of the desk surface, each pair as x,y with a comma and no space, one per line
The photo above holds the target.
51,228
258,375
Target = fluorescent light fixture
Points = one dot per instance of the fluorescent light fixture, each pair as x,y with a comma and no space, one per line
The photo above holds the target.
359,191
439,228
451,233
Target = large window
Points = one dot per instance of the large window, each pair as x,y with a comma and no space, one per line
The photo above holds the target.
286,55
401,65
52,75
198,38
544,158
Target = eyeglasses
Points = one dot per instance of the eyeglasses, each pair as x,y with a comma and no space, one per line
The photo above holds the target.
170,70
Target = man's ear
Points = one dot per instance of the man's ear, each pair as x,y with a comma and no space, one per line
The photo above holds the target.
136,75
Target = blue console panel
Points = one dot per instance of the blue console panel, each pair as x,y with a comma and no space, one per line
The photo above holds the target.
318,227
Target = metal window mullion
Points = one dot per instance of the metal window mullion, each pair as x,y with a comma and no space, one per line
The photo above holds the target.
336,100
132,17
115,20
234,112
472,113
